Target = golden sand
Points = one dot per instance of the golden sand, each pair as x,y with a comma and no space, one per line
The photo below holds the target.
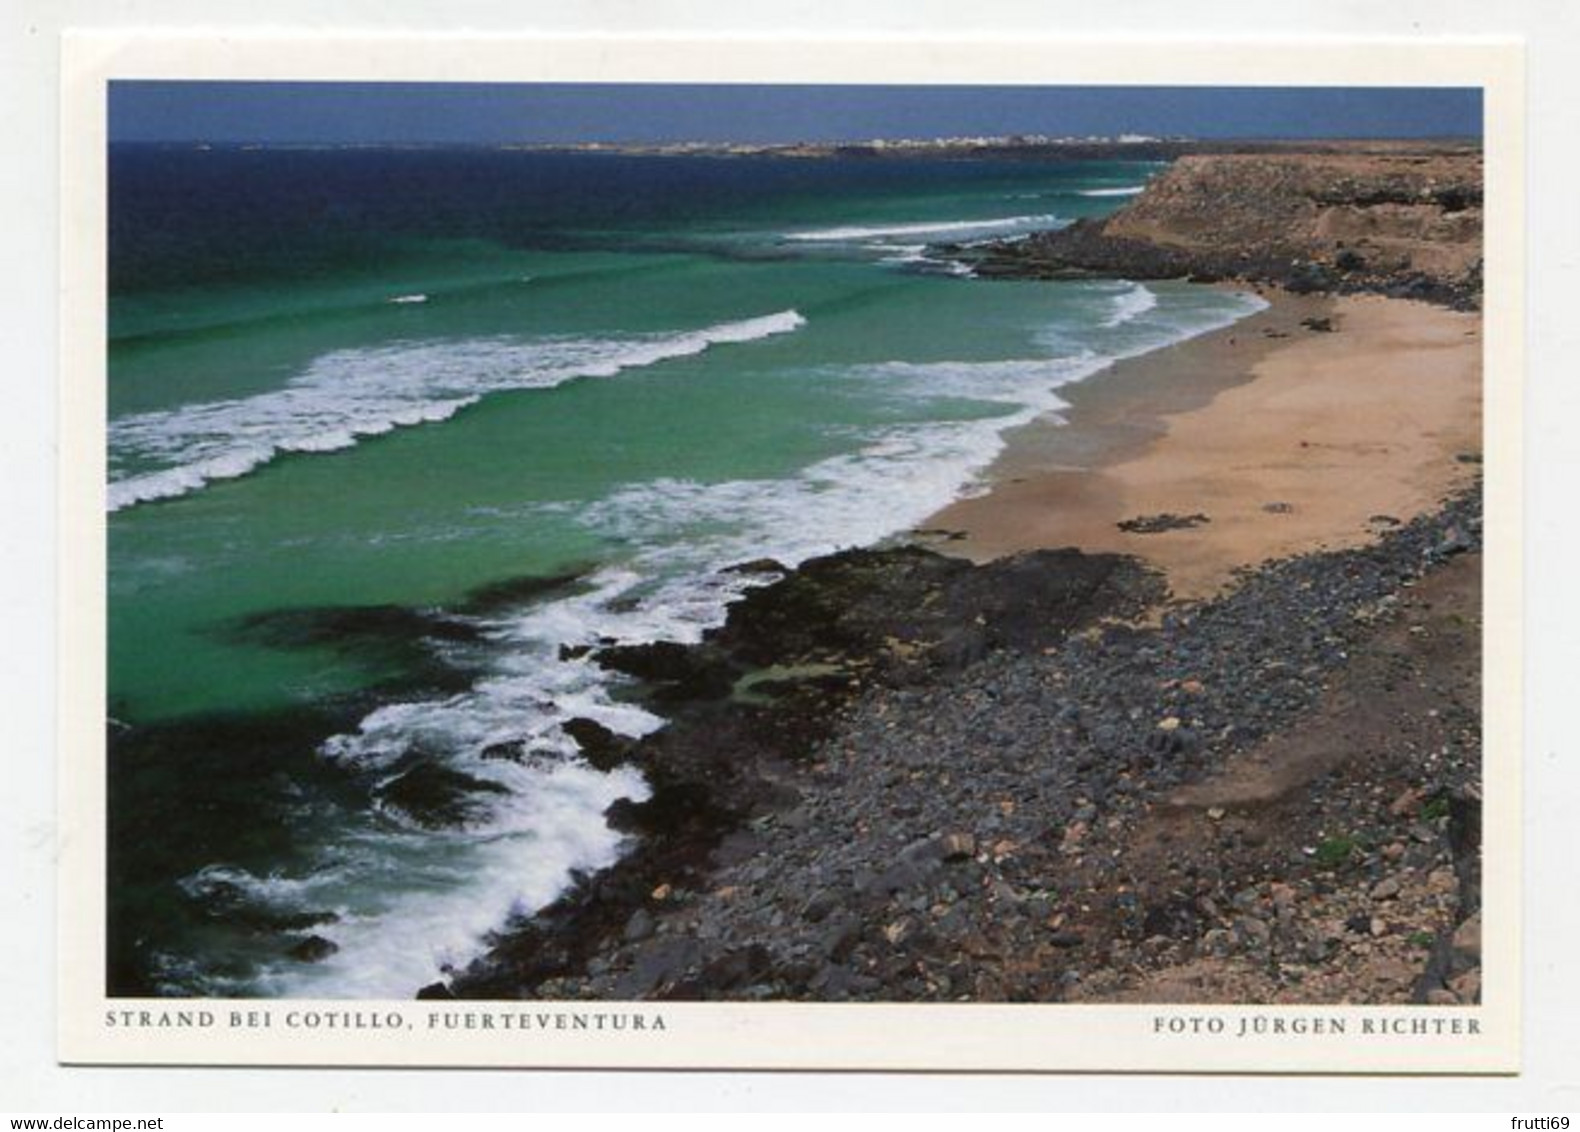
1287,439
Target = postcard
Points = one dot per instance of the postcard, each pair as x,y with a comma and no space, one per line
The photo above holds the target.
847,555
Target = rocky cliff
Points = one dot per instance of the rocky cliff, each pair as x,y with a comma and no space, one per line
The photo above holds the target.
1404,224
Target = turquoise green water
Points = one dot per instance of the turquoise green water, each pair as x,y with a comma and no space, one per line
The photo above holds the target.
422,515
740,364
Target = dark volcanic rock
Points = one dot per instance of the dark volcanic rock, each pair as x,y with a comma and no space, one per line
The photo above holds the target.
513,750
758,566
514,592
677,672
314,949
1397,224
601,747
435,796
1157,524
898,607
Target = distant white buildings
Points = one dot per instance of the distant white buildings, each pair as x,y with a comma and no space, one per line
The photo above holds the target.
1009,140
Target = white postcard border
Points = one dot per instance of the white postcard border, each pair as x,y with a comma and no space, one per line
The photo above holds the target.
779,1035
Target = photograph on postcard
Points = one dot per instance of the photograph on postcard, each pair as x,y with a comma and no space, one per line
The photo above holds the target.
764,543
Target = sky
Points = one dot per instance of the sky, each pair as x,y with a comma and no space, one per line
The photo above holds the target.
486,113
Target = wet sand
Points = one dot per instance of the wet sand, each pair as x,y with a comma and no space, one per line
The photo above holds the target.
1287,439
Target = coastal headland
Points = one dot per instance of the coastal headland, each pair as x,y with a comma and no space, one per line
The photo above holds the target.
1406,224
1185,706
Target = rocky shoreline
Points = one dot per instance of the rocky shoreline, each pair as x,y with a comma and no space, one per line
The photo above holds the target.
893,776
748,705
1404,225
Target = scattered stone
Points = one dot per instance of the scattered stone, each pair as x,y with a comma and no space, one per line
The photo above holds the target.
1406,803
639,926
1217,942
1467,938
1157,524
313,949
514,751
819,906
435,797
1252,932
1467,987
758,566
897,932
1454,541
957,846
601,747
1385,889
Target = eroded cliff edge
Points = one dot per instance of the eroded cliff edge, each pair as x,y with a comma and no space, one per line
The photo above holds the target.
1407,225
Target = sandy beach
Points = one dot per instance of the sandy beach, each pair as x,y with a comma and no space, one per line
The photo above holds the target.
1287,439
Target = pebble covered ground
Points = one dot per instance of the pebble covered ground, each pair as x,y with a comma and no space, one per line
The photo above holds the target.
1270,796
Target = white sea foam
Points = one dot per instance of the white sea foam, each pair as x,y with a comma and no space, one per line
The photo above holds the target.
900,253
1126,191
274,891
915,256
1131,303
528,697
427,901
410,299
1161,326
1026,383
350,394
925,228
